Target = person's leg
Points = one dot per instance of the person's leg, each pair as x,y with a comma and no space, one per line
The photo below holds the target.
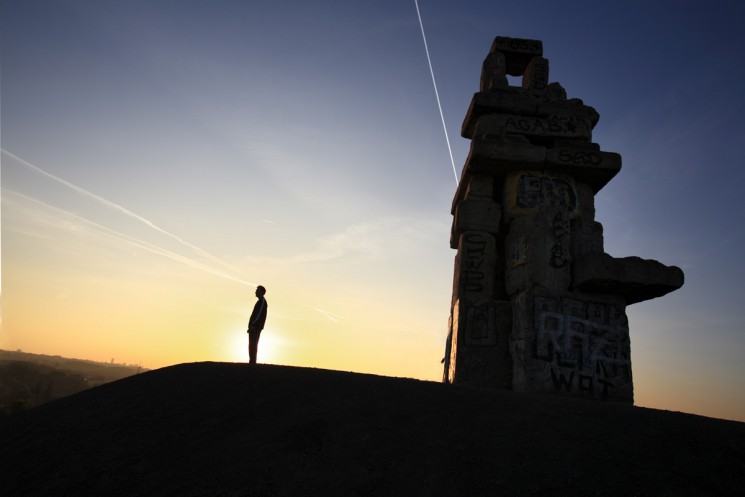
253,346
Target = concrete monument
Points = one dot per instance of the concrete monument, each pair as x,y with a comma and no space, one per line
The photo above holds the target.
537,305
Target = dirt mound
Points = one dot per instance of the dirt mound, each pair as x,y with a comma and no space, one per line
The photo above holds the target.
218,429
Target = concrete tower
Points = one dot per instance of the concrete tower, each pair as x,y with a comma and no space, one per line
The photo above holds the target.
537,305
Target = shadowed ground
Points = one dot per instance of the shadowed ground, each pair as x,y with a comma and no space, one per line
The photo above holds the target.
229,430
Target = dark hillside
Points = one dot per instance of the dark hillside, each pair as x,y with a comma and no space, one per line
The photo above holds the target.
229,430
28,380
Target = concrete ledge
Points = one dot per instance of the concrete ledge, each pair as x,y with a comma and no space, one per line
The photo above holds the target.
595,168
633,278
574,107
518,101
497,158
510,100
518,52
475,215
555,126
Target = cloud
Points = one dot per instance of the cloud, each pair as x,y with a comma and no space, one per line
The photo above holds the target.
60,218
117,208
364,242
330,315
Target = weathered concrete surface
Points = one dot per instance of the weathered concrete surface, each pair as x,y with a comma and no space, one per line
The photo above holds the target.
530,193
480,335
524,226
563,107
503,101
596,168
553,126
572,344
587,237
518,51
479,187
535,260
632,278
494,72
536,74
475,215
499,156
515,101
475,267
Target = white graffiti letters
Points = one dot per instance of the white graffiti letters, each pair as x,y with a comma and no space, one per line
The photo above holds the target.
583,353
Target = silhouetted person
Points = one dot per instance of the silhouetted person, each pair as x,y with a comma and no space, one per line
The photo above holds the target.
256,323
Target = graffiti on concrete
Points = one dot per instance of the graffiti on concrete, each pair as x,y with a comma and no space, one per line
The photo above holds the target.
560,249
586,354
480,325
545,191
474,276
529,245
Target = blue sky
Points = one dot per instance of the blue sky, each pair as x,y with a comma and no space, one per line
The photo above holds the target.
194,148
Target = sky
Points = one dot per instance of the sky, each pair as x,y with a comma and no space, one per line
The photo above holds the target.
161,158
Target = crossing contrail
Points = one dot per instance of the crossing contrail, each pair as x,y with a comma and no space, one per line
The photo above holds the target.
141,219
437,95
136,242
330,315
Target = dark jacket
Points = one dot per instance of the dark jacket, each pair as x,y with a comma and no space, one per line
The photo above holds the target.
258,316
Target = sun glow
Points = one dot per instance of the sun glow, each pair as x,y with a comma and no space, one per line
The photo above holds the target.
270,347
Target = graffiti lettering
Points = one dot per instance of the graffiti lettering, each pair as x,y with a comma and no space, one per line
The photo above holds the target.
558,259
556,125
559,225
559,380
480,325
545,191
579,157
517,44
519,252
560,251
585,354
538,78
473,263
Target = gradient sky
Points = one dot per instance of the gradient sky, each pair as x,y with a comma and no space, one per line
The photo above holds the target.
160,158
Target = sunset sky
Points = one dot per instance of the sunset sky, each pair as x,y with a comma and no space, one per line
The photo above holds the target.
160,158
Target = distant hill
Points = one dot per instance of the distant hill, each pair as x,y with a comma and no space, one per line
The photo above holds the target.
28,380
219,429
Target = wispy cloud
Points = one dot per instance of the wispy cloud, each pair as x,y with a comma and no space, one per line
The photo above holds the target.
118,208
330,315
359,243
127,239
199,260
373,240
214,265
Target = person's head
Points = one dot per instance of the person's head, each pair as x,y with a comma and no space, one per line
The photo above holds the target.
260,291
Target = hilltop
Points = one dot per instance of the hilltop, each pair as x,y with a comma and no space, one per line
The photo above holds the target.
224,429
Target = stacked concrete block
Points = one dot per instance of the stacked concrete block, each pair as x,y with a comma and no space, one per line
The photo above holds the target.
538,306
571,343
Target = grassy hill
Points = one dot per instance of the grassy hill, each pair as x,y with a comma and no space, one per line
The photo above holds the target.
222,429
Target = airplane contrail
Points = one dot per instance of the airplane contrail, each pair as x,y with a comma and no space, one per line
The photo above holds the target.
136,242
330,315
437,95
119,208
